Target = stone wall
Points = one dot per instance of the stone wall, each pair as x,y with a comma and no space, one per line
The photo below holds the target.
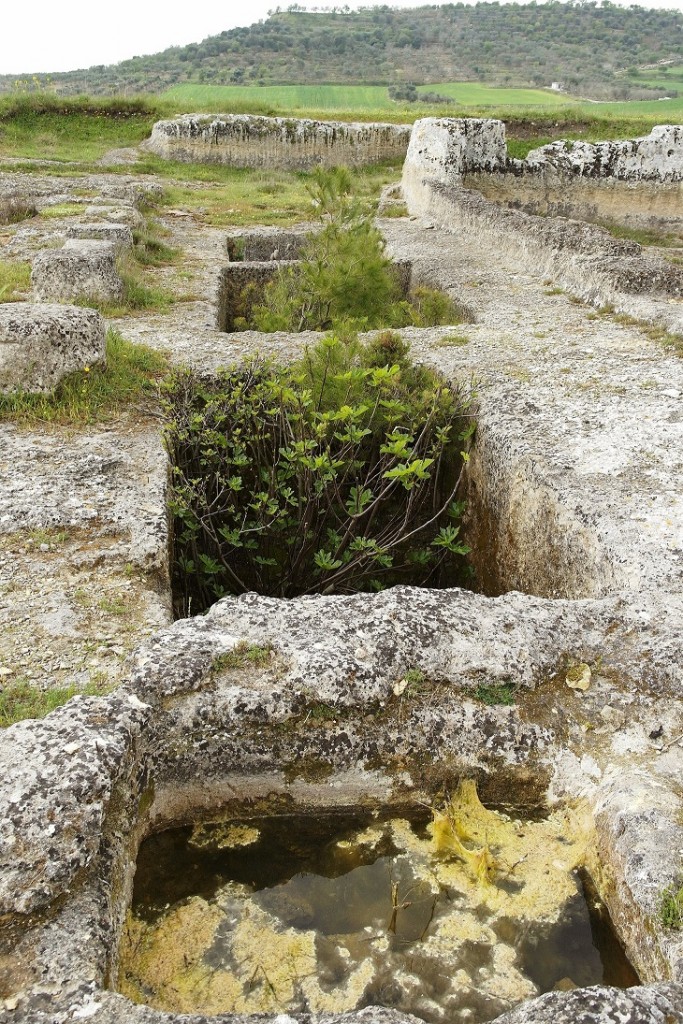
582,257
637,182
243,140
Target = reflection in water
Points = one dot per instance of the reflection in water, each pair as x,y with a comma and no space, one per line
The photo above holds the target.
326,914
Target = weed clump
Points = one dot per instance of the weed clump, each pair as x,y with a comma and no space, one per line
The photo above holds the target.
336,474
14,209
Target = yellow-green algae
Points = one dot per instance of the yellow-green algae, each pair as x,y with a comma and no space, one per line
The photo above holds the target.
223,835
228,954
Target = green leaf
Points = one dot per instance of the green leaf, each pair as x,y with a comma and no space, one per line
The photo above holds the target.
325,561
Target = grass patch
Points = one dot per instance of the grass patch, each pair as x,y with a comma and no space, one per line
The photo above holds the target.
138,296
643,236
452,341
244,655
671,908
129,380
239,197
395,211
503,693
21,700
61,210
15,280
655,332
149,250
46,126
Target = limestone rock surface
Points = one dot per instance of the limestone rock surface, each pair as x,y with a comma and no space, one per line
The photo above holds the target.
245,140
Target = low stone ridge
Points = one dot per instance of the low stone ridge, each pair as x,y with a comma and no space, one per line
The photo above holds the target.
40,343
654,157
82,269
118,214
245,140
120,234
652,1004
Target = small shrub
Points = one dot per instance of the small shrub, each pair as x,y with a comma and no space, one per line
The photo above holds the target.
343,275
14,209
336,474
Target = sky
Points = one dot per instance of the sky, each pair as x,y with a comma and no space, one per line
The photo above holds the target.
46,35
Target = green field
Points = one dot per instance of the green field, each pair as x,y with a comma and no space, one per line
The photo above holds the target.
350,97
473,94
83,129
369,101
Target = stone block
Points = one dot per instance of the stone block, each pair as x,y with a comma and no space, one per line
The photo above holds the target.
83,269
41,343
119,234
120,214
260,244
443,149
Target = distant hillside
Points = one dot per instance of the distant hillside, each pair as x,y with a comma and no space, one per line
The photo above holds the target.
585,46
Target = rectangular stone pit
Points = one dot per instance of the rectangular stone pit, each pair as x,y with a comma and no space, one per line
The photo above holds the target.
241,284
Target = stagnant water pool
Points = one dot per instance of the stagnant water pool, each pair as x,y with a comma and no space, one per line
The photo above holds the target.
457,917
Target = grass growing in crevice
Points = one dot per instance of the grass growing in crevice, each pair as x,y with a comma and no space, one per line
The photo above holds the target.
671,908
60,210
243,655
149,249
655,332
496,693
15,280
128,381
644,236
21,700
138,296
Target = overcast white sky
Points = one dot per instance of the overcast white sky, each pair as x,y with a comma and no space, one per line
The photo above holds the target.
63,35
